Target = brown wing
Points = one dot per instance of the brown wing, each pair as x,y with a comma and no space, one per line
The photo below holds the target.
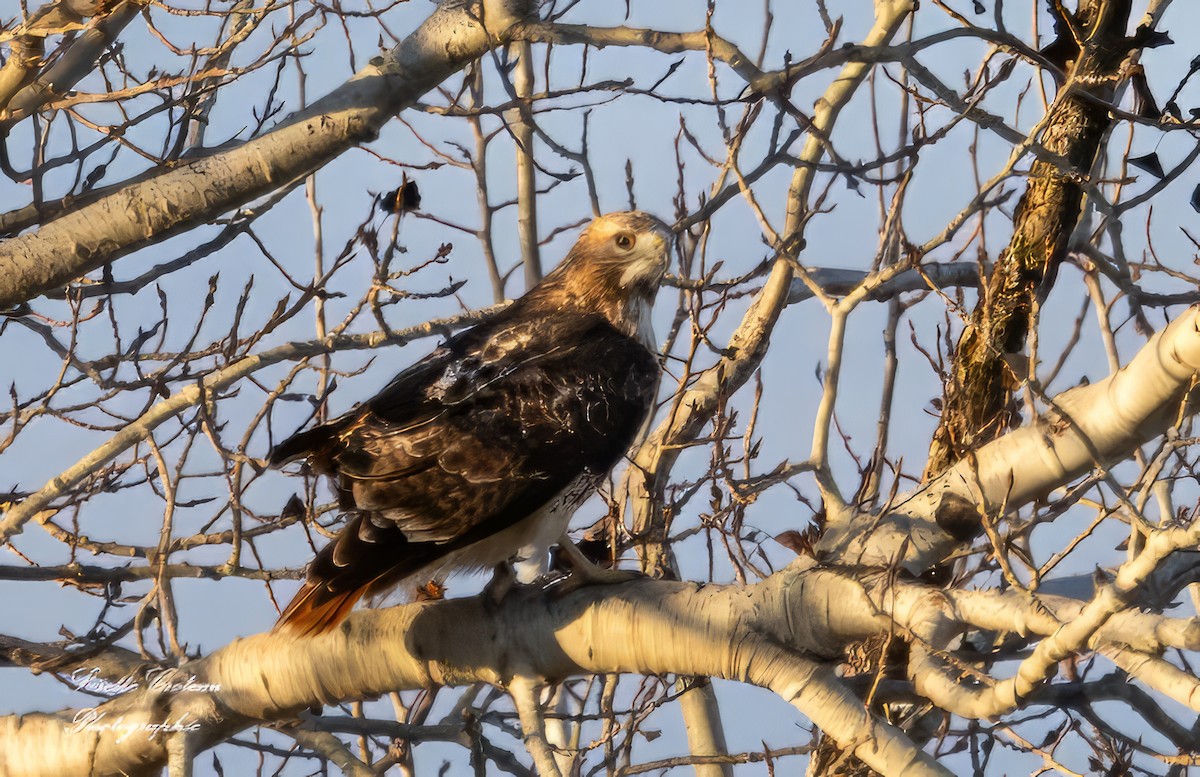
447,456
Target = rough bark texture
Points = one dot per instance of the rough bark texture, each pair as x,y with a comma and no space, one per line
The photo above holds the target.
977,404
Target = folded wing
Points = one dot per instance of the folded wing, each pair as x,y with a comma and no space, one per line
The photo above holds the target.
490,428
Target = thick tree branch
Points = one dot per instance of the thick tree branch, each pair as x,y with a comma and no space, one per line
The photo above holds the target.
760,634
944,687
1086,427
778,634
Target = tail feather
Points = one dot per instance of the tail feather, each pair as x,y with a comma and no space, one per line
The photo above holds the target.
315,609
365,559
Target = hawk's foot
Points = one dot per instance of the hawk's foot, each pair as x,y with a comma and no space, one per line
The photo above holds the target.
584,572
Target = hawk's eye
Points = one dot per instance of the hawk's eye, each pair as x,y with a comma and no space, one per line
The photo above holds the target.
625,241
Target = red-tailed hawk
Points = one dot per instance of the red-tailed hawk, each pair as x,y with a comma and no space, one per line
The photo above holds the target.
490,443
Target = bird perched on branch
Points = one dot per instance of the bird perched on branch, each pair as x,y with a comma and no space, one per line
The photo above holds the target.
488,445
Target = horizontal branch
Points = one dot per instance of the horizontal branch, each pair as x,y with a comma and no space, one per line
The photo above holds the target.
84,574
760,634
107,659
929,277
782,634
1017,612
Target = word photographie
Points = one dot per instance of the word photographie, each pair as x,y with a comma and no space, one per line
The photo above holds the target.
92,720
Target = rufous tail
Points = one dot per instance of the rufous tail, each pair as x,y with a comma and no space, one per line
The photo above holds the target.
315,609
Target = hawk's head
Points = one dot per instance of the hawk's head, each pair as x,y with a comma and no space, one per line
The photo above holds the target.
614,268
